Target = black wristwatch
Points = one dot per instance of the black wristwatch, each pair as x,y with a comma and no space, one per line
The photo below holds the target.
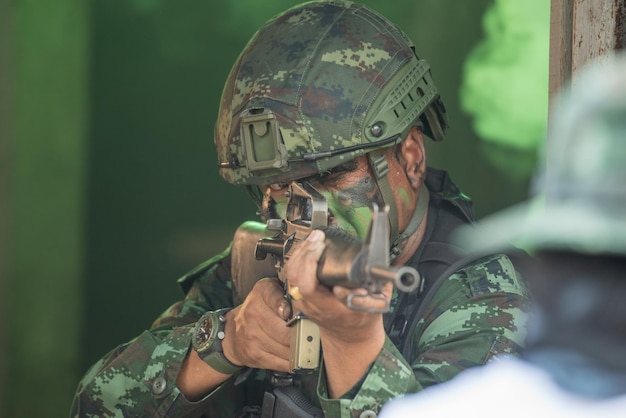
207,339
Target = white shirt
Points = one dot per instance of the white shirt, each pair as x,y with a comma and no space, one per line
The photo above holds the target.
508,388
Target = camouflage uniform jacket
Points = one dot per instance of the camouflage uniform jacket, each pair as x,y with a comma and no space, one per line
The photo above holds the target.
477,313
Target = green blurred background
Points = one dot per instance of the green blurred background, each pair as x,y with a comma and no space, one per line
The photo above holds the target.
108,182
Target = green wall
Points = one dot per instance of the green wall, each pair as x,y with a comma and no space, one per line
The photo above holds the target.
108,167
44,141
6,129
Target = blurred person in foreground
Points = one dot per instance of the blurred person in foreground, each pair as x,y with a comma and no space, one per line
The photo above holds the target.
575,226
328,96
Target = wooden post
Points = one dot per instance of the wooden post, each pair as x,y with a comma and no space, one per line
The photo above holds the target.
42,251
580,31
597,30
561,19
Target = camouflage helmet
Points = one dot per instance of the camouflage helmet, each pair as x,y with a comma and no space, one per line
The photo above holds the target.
579,201
318,85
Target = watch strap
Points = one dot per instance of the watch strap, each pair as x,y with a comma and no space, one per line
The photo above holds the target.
220,363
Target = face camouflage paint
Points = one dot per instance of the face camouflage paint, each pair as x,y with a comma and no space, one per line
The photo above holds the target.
349,192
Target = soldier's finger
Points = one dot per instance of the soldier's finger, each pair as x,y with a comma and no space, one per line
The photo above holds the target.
271,292
360,299
303,264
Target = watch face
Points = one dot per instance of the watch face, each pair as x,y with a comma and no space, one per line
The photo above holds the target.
202,334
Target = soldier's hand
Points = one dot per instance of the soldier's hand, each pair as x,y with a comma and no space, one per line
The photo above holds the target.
326,307
256,333
351,340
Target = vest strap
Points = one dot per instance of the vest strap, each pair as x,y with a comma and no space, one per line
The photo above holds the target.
378,163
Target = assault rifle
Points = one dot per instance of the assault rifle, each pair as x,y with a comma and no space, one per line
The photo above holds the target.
346,261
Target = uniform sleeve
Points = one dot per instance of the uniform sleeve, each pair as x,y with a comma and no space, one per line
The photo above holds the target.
477,313
139,378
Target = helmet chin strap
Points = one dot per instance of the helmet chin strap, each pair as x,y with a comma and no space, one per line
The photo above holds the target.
378,162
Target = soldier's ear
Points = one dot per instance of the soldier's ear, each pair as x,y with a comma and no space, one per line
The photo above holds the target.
414,156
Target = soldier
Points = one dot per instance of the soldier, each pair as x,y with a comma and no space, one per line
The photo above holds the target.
574,363
330,94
